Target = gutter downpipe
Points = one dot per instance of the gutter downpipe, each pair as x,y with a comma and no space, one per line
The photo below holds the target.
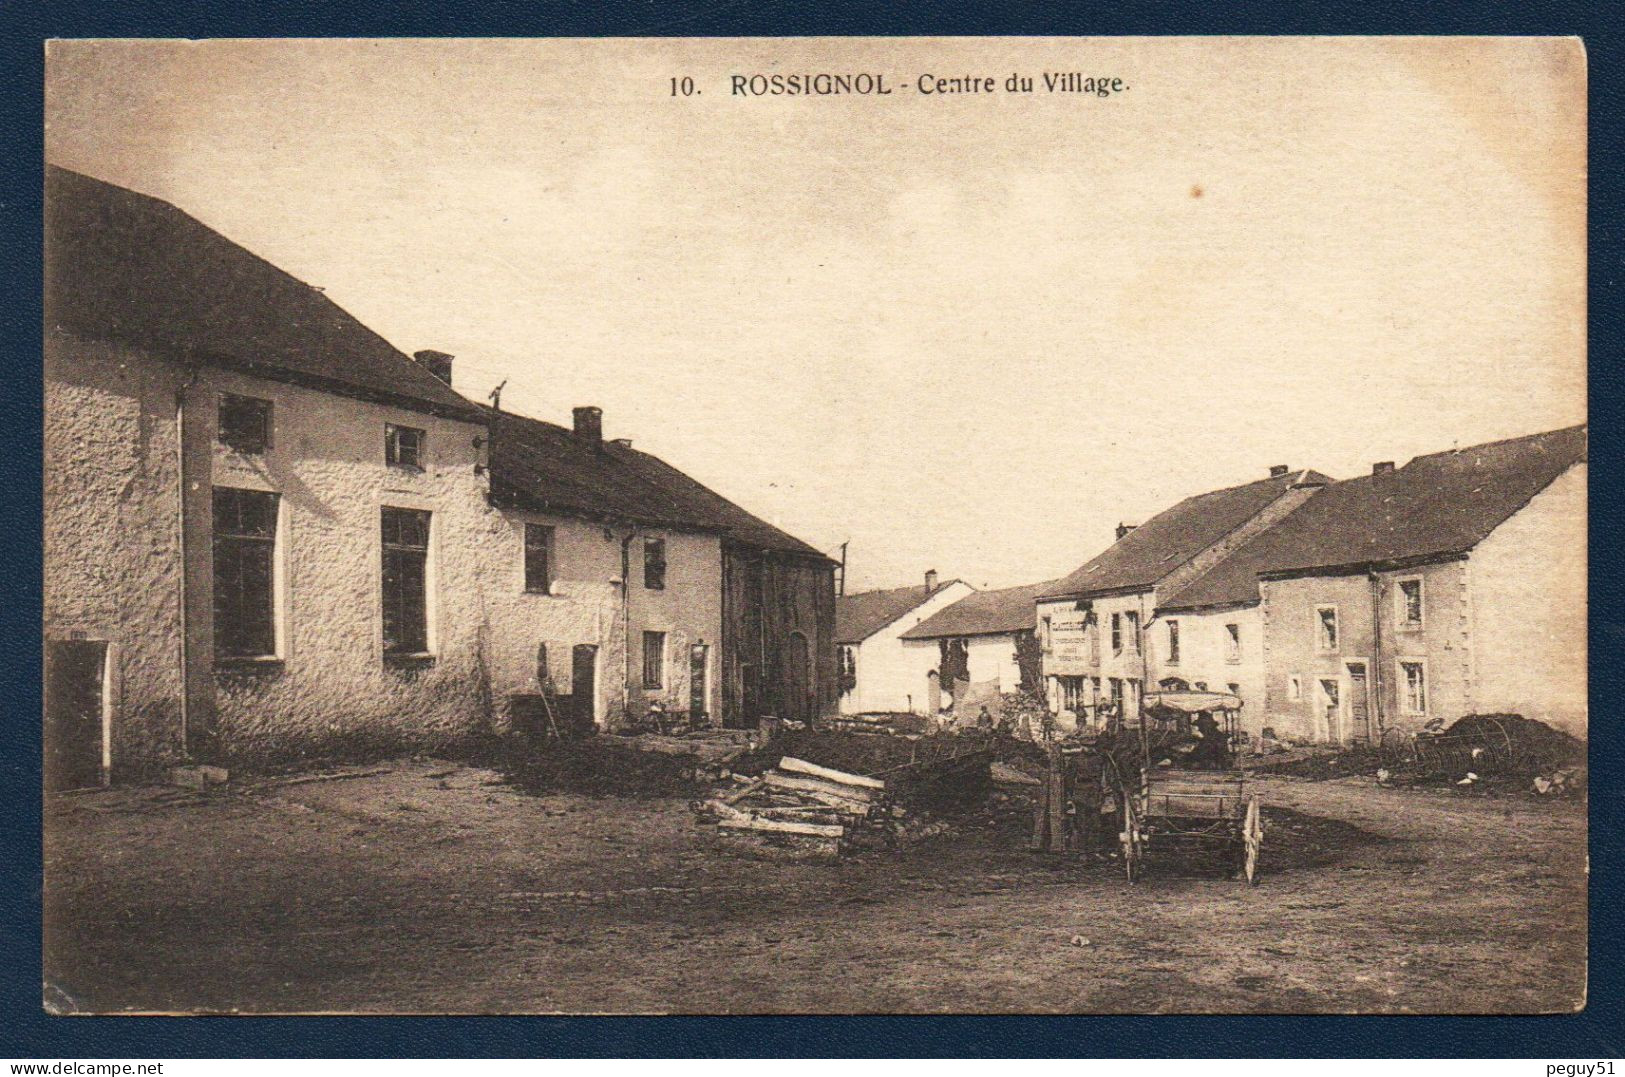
180,518
1376,657
626,620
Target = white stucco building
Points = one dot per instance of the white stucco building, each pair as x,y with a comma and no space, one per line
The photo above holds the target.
982,635
880,672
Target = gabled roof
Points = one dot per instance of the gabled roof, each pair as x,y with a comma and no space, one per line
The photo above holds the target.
546,468
1145,555
984,613
1437,506
126,267
859,616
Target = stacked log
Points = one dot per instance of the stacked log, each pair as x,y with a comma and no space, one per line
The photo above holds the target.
798,807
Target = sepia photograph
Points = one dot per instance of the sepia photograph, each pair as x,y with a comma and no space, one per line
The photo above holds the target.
815,526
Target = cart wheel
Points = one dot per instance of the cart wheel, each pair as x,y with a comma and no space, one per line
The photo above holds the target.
1133,843
1252,837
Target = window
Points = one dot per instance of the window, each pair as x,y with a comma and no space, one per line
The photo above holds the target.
1117,633
654,660
849,669
406,581
403,446
1232,643
1409,597
541,665
1046,633
1091,626
244,573
1072,693
1116,685
1132,622
1413,677
244,423
1326,627
654,564
538,559
1294,687
1173,643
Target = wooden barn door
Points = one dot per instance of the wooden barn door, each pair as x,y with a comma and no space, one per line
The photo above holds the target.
798,678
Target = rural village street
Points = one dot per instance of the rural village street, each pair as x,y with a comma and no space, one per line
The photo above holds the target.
437,888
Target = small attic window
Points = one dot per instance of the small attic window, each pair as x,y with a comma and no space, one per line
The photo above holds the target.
403,446
244,423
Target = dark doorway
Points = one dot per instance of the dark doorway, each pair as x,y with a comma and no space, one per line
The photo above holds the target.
74,675
750,697
697,710
584,687
797,678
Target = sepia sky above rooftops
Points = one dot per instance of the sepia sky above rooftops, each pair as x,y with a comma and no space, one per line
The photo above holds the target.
965,332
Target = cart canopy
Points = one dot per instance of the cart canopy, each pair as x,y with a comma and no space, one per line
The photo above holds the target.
1191,702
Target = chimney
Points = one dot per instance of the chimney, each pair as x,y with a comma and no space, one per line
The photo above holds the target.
930,580
439,363
1123,529
589,424
1278,470
1382,467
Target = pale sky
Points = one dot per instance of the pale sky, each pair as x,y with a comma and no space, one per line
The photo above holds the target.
969,333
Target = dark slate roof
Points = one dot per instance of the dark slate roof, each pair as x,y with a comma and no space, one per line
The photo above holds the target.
126,267
1148,553
546,468
1439,505
859,616
984,613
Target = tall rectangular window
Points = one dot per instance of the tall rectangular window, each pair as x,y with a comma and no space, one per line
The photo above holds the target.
1173,643
1232,643
406,581
1326,627
1131,622
244,423
1410,603
538,559
654,660
1414,678
244,573
1117,633
403,446
654,564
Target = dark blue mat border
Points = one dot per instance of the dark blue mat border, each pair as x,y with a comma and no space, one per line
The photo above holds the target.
26,1032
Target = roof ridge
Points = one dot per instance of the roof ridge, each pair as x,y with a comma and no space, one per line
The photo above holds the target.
1498,441
908,587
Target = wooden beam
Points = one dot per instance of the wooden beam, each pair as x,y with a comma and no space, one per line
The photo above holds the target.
801,766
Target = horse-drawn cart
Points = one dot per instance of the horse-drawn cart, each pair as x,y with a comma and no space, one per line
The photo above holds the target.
1182,795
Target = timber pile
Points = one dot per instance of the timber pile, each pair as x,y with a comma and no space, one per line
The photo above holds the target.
798,807
818,810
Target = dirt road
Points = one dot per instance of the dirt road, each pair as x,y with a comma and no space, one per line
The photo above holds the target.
435,888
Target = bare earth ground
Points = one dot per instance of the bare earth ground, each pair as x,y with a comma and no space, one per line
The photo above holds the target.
436,888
